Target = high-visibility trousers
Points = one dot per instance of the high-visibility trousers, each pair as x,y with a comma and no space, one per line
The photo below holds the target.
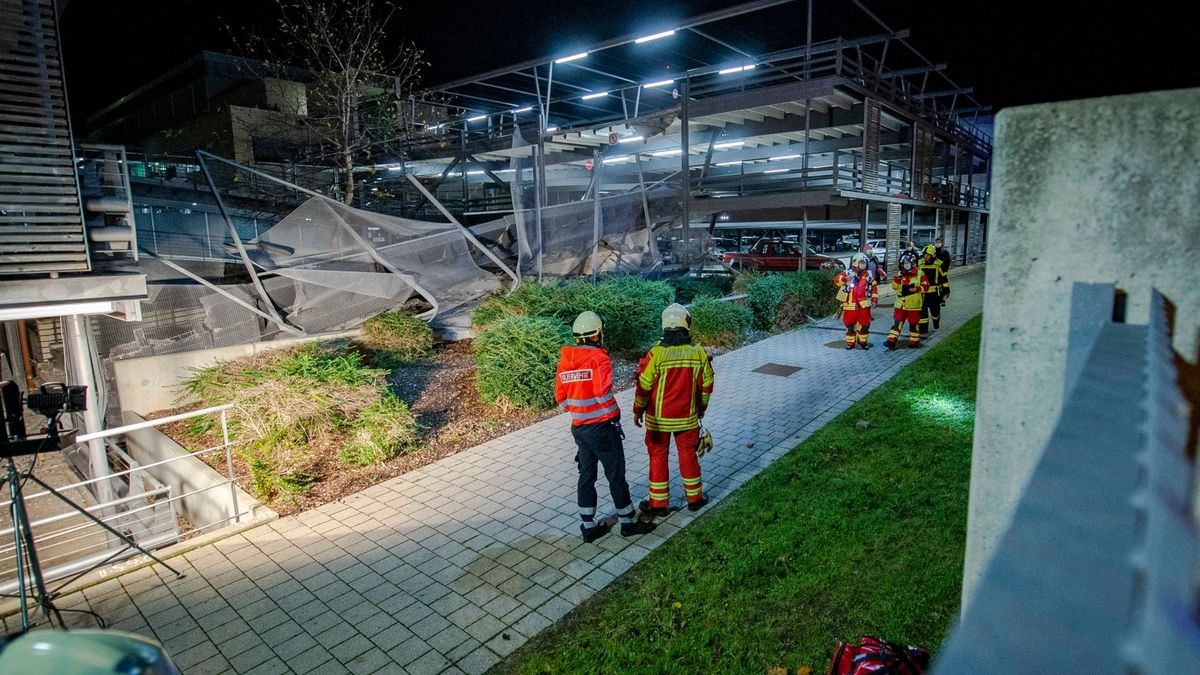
913,318
658,444
858,322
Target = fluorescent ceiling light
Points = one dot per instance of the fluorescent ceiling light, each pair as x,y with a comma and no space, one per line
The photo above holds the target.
776,170
631,139
782,157
474,173
573,57
395,168
434,127
735,69
549,129
525,109
667,153
734,144
659,83
656,36
65,309
618,158
728,163
477,118
599,94
507,171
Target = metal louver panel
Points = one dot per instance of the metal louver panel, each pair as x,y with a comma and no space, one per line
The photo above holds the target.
41,224
871,113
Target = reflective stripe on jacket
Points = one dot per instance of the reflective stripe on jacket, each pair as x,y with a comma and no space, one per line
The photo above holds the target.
858,289
673,387
936,275
583,384
909,287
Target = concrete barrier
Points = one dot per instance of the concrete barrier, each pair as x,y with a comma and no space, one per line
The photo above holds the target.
202,495
1099,191
153,382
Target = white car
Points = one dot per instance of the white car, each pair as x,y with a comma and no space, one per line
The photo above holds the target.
879,248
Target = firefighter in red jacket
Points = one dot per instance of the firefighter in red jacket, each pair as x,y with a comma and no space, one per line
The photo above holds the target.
910,285
859,293
583,386
674,383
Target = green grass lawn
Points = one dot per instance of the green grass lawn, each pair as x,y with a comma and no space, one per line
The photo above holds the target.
856,530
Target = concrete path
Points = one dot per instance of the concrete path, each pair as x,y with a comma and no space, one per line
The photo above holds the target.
451,567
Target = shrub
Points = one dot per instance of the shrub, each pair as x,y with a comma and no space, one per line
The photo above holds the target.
397,339
784,301
688,289
743,279
515,360
284,400
763,296
719,324
384,429
630,306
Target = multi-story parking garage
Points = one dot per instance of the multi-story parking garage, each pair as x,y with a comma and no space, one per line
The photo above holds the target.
626,155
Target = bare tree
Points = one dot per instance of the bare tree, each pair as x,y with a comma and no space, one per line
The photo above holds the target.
358,102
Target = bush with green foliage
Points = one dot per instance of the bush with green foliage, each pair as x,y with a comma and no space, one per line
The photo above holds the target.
688,289
783,301
719,324
384,429
515,360
397,339
283,400
630,306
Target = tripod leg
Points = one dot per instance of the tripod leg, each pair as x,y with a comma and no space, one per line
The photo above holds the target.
128,542
18,542
25,552
42,596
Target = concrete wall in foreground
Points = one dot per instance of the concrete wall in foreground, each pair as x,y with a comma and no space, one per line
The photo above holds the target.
152,383
1097,191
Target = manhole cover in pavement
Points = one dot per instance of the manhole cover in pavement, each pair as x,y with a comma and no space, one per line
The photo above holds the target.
776,369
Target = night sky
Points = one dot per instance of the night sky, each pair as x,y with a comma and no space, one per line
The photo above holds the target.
1012,53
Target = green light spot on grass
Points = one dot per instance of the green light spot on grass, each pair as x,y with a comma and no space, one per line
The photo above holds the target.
941,407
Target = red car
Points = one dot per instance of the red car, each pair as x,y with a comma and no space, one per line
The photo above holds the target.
773,255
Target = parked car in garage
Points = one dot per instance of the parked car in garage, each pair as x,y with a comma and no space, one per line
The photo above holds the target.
776,255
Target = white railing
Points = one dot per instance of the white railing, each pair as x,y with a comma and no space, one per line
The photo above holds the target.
147,511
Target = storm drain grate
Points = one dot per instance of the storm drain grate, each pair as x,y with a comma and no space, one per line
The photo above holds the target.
776,369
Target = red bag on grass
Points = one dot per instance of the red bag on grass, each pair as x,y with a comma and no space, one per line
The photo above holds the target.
872,655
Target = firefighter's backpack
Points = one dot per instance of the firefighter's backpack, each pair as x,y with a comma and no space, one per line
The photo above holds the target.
875,656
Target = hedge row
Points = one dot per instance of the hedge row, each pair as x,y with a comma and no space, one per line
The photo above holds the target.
783,301
630,306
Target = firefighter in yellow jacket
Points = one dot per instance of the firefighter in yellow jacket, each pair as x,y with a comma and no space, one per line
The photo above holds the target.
910,285
938,290
674,383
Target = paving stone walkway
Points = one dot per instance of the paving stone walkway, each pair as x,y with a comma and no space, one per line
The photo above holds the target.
453,566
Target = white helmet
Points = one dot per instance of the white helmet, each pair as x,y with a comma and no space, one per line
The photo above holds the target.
859,260
586,325
676,316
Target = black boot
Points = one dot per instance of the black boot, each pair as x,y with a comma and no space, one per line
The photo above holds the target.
657,511
865,345
698,504
636,527
890,344
593,533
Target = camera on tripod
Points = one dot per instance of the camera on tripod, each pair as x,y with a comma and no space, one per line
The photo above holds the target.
49,401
